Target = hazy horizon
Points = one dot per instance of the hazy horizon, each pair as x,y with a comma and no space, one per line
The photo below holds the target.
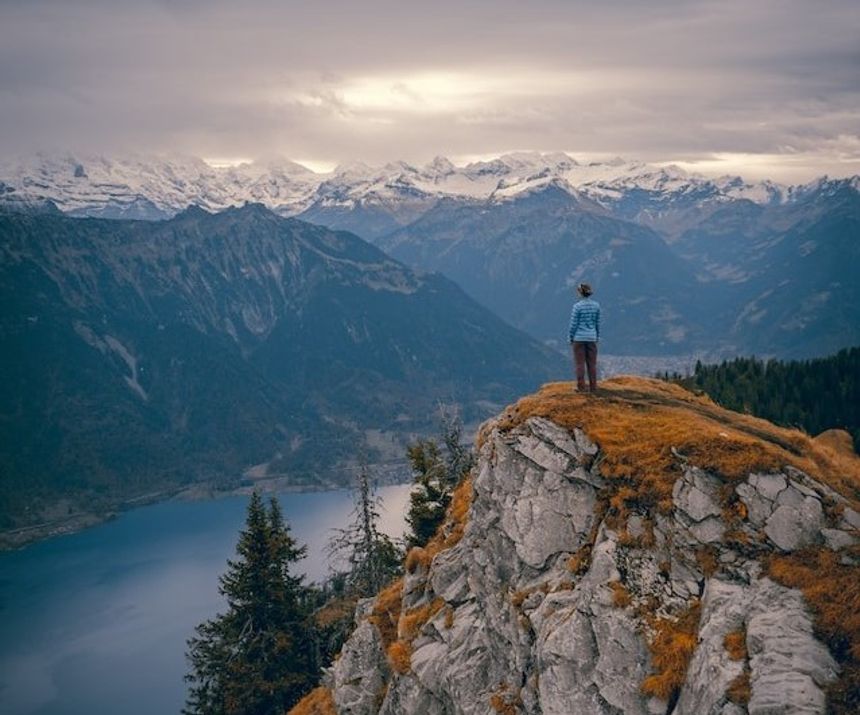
768,89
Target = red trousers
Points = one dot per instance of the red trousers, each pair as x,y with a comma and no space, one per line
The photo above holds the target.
585,357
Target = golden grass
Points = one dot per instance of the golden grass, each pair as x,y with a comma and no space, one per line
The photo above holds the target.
413,620
518,597
837,440
458,511
832,590
386,612
415,558
399,656
620,595
706,557
638,422
735,644
580,561
506,702
317,702
336,610
450,531
397,628
739,690
671,646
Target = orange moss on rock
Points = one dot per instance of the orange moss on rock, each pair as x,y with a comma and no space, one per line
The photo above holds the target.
338,609
706,557
739,690
399,628
832,590
386,612
413,620
414,558
645,427
450,532
672,644
735,644
505,701
620,595
317,702
400,656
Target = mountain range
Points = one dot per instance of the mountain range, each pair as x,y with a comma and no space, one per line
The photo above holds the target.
683,264
391,195
139,356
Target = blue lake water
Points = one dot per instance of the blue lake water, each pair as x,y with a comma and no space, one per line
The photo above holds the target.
96,622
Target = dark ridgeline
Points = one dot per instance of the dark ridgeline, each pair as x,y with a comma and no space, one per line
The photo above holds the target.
139,356
815,395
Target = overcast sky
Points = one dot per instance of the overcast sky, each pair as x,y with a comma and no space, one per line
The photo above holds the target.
757,87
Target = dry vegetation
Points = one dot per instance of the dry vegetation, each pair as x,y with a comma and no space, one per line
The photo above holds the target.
739,691
316,702
398,629
386,612
386,616
580,561
400,656
706,557
505,701
832,590
413,620
735,644
620,594
451,531
671,645
644,427
647,431
408,625
335,611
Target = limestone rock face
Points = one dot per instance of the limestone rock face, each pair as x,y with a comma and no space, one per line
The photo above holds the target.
526,628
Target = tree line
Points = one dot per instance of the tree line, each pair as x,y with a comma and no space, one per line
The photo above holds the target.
814,395
267,649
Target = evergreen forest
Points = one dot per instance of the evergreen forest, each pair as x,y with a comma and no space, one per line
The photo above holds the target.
814,395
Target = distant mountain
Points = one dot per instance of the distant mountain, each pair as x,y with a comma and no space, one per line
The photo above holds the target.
379,198
139,356
783,277
684,263
524,257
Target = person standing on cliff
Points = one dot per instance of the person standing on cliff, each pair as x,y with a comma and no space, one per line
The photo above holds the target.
584,335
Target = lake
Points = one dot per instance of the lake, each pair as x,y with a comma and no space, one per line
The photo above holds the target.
96,622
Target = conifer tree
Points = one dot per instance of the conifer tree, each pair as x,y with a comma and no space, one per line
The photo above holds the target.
435,477
257,658
372,557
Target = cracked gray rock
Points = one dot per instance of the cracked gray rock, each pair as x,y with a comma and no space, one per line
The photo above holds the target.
565,648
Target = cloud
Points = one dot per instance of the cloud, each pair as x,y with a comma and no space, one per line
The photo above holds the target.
379,80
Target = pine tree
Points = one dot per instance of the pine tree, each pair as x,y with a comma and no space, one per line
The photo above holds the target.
435,478
372,557
257,658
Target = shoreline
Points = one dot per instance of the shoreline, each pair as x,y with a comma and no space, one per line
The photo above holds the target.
24,536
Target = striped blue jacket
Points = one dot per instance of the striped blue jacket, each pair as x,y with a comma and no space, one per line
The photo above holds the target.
585,321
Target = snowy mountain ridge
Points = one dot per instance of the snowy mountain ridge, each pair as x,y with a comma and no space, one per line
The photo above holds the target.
158,187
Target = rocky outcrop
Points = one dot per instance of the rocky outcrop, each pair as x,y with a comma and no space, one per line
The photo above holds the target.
555,603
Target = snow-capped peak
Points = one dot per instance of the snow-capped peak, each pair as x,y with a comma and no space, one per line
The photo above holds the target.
97,185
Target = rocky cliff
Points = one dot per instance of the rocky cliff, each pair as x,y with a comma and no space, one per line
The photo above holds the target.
642,551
